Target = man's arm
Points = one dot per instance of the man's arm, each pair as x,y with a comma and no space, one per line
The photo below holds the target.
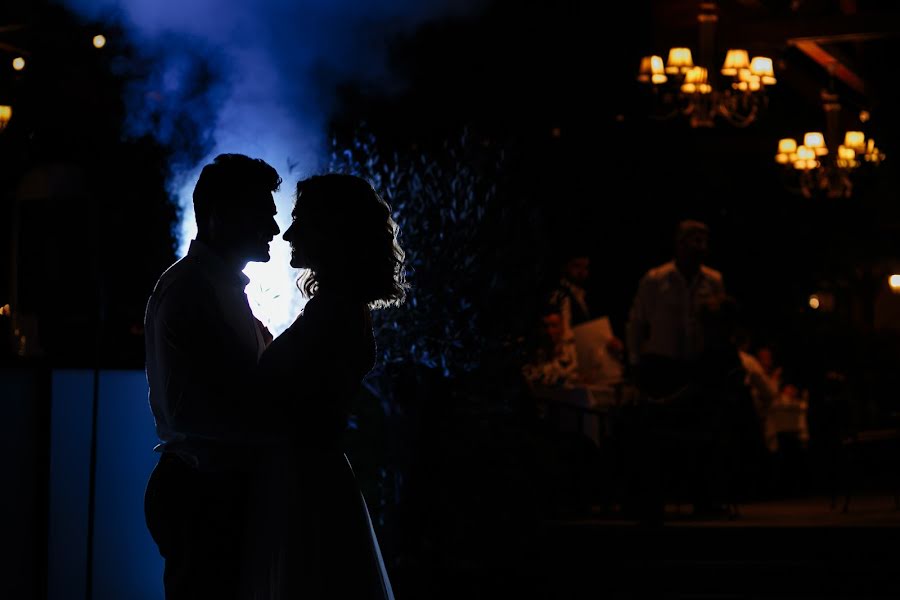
204,368
638,321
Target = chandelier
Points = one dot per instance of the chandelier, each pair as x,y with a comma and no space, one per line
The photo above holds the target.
736,92
826,164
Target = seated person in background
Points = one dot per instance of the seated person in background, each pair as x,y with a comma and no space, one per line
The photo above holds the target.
570,296
553,362
786,419
763,388
767,361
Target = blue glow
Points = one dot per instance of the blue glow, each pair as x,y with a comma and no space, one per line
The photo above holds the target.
283,59
126,561
70,452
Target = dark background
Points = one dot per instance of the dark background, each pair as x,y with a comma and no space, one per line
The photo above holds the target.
551,86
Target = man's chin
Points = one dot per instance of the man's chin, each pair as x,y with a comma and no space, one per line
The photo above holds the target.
261,257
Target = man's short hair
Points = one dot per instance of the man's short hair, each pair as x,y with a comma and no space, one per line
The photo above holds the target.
689,226
226,181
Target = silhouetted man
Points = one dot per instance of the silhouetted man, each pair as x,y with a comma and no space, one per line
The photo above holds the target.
664,334
203,343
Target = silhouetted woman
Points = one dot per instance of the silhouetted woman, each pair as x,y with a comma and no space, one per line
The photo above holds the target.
343,234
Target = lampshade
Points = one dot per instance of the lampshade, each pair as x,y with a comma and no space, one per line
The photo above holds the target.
816,142
734,60
696,75
787,146
5,115
846,157
804,153
679,61
695,81
846,153
762,66
855,140
651,70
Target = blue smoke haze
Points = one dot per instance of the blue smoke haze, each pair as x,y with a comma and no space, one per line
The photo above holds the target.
258,78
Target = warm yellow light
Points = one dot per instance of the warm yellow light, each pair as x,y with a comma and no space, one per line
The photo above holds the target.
782,159
846,157
754,85
18,63
652,70
864,116
768,80
813,139
695,75
645,70
855,140
100,41
679,61
893,281
787,145
805,153
761,66
814,302
695,81
4,310
744,75
734,60
5,115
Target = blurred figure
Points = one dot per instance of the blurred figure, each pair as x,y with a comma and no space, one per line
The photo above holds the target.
763,388
663,334
767,361
570,296
553,362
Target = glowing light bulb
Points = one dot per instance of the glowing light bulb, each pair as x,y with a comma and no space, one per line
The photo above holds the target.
99,41
814,302
18,63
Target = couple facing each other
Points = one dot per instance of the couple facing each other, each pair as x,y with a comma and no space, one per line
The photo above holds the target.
253,496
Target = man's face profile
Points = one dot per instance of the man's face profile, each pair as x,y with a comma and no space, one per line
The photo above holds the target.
250,227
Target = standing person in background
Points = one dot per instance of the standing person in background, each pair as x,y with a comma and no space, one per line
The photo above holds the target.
664,336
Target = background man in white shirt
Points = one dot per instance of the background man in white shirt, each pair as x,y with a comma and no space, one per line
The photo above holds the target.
203,343
663,334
